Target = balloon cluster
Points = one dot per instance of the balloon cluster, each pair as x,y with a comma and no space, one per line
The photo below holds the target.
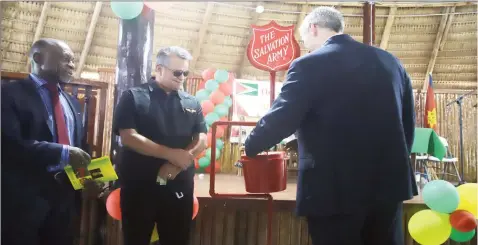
452,214
214,94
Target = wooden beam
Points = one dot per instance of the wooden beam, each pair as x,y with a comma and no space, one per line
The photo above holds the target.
388,28
388,4
89,38
202,34
244,60
39,28
447,28
436,46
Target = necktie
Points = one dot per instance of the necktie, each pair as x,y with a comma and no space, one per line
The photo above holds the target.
61,129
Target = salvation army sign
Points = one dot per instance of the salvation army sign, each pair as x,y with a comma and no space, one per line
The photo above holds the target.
272,47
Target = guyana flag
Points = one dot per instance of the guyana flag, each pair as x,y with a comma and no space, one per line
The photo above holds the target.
430,119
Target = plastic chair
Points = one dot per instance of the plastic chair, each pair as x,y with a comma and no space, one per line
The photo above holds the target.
447,161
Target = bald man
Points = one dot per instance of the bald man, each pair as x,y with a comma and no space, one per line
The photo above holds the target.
41,134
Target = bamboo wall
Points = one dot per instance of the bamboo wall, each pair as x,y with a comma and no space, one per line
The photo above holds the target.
448,127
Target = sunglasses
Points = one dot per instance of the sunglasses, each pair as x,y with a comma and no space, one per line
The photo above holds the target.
178,73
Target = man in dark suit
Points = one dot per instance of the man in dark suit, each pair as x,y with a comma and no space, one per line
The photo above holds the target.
41,134
351,106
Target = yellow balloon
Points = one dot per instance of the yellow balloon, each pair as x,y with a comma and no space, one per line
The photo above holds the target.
428,227
468,198
154,236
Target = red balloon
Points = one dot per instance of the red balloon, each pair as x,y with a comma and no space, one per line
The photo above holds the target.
201,85
208,74
217,167
219,132
196,164
207,107
217,97
462,220
113,204
226,88
195,206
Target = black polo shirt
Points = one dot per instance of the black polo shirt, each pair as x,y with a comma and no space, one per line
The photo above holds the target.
167,119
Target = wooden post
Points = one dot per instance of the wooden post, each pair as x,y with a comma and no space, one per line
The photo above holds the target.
135,47
367,23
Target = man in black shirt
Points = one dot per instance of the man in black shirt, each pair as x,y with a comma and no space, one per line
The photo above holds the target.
162,130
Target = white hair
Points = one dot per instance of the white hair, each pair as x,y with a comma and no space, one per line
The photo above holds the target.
163,55
324,17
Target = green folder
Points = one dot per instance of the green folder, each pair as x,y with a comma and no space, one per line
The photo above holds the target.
427,141
101,170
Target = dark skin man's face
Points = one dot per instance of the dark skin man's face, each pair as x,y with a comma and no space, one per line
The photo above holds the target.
55,63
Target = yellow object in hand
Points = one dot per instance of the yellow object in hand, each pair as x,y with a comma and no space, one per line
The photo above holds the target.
101,170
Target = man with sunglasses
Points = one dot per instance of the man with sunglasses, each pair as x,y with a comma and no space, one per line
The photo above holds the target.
162,130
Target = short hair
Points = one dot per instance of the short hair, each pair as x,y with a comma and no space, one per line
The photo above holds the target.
163,54
324,17
43,43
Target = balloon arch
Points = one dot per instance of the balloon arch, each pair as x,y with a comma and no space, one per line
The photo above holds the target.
214,94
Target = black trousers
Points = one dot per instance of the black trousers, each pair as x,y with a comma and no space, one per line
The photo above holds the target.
377,225
170,208
45,215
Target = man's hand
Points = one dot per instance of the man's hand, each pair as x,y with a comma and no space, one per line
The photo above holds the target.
79,160
181,158
168,171
91,189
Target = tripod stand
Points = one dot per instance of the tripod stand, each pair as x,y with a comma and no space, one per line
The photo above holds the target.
459,101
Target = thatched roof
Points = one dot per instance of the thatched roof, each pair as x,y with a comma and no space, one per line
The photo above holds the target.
421,35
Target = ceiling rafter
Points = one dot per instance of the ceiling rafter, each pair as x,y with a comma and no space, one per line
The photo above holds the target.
447,29
89,38
201,35
436,45
388,28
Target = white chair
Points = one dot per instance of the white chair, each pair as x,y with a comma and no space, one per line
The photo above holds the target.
448,160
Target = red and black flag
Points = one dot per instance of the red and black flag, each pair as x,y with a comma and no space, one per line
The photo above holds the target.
430,119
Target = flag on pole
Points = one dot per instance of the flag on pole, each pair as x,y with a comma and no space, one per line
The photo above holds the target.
430,119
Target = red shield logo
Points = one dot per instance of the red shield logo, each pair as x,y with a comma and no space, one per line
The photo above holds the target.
272,47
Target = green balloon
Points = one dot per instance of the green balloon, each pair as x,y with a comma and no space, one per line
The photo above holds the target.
459,236
208,153
211,118
204,162
202,95
219,144
221,76
441,196
127,10
211,85
221,110
227,101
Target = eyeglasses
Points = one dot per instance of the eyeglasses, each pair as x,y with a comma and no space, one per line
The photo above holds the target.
178,73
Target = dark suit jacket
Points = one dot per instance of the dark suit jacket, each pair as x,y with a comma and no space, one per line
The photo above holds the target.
352,107
27,147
